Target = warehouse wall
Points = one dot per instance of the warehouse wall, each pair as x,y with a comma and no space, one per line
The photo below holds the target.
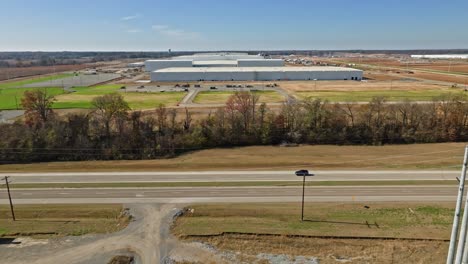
255,75
154,65
260,63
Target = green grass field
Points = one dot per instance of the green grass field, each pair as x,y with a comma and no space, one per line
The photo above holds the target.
220,97
84,95
366,96
12,92
10,98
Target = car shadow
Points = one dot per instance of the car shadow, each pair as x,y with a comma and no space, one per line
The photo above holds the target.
8,241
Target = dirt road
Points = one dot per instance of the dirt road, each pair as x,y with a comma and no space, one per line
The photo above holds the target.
142,238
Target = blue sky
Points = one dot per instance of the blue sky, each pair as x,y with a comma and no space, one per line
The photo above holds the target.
144,25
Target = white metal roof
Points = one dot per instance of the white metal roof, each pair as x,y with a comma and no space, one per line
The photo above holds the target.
260,69
255,59
216,62
167,60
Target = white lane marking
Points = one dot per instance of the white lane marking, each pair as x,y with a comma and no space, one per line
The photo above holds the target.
139,195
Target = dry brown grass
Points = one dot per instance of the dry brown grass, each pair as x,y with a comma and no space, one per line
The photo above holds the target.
63,220
416,156
10,73
348,86
439,77
397,220
330,250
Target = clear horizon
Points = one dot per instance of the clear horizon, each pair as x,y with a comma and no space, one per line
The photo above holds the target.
208,25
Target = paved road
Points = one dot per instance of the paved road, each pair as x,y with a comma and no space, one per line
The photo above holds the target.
228,176
233,194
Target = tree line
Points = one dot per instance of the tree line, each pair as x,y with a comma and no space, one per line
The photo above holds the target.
111,131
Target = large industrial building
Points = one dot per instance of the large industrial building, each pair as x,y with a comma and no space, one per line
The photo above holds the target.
255,74
239,67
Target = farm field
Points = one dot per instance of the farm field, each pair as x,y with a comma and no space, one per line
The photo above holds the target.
452,66
61,220
450,78
19,72
388,157
220,97
451,71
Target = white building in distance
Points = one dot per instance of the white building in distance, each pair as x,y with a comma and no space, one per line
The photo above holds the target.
441,56
239,67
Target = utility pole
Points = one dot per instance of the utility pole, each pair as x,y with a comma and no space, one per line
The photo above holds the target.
304,174
303,191
9,197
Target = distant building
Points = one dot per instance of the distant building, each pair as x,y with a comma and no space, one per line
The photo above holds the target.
240,67
441,56
255,74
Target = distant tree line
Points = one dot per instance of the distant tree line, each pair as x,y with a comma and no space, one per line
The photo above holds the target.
26,59
112,132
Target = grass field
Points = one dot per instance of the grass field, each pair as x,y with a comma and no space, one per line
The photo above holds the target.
61,220
220,97
366,96
403,220
447,156
84,95
395,220
10,98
